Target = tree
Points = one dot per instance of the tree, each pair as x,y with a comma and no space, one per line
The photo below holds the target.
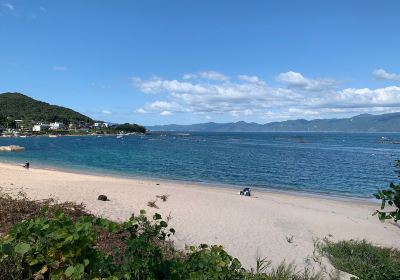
390,197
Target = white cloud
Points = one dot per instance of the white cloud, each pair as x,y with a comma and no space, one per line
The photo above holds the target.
208,75
250,79
59,68
106,112
141,110
8,6
166,113
381,74
297,80
365,97
251,97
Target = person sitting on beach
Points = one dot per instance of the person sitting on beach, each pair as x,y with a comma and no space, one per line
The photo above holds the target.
26,165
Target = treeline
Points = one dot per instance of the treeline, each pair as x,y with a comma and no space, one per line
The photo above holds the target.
129,128
16,106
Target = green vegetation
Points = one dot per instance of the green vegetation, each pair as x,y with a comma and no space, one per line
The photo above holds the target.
45,240
122,128
16,106
364,260
391,197
129,128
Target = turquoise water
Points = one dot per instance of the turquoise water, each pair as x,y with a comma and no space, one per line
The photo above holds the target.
352,165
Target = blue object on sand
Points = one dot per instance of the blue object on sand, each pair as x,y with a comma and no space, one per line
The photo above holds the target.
246,192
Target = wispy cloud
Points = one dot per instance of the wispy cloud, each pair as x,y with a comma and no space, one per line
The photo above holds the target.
381,74
106,112
166,113
8,6
250,79
298,96
60,68
43,9
141,110
208,75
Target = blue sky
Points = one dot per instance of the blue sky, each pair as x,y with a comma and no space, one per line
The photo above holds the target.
160,62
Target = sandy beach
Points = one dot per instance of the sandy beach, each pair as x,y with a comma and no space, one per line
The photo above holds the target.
246,226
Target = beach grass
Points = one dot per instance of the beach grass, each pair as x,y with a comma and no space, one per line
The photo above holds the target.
363,259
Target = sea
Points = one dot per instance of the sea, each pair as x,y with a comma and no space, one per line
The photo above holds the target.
349,165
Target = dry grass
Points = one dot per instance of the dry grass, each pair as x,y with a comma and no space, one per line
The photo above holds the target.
163,197
290,239
152,203
17,207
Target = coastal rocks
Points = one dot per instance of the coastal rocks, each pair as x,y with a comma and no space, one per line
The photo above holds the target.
102,197
11,148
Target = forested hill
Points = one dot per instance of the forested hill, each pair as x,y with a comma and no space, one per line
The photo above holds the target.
18,106
361,123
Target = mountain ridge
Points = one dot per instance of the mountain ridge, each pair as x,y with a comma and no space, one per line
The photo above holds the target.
389,122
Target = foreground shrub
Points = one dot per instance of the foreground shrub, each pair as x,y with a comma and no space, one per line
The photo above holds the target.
364,260
147,248
58,247
207,262
391,197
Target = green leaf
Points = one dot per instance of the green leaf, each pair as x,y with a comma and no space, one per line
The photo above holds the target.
382,216
79,270
383,203
69,271
157,216
22,248
6,249
163,224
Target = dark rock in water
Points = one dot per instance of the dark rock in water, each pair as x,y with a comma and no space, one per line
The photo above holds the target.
102,197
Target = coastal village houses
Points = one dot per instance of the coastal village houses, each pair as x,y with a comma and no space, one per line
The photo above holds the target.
40,127
100,125
56,126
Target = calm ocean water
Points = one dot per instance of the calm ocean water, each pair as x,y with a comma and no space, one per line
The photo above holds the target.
352,165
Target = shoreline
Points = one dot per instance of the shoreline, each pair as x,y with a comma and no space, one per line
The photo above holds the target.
247,227
322,195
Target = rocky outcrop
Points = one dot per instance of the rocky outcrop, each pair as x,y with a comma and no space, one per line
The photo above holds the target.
11,148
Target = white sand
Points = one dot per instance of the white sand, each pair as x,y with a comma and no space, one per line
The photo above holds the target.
246,226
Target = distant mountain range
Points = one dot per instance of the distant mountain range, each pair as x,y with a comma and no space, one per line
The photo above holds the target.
17,106
361,123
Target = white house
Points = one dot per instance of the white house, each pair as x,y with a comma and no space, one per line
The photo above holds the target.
41,127
56,126
100,125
